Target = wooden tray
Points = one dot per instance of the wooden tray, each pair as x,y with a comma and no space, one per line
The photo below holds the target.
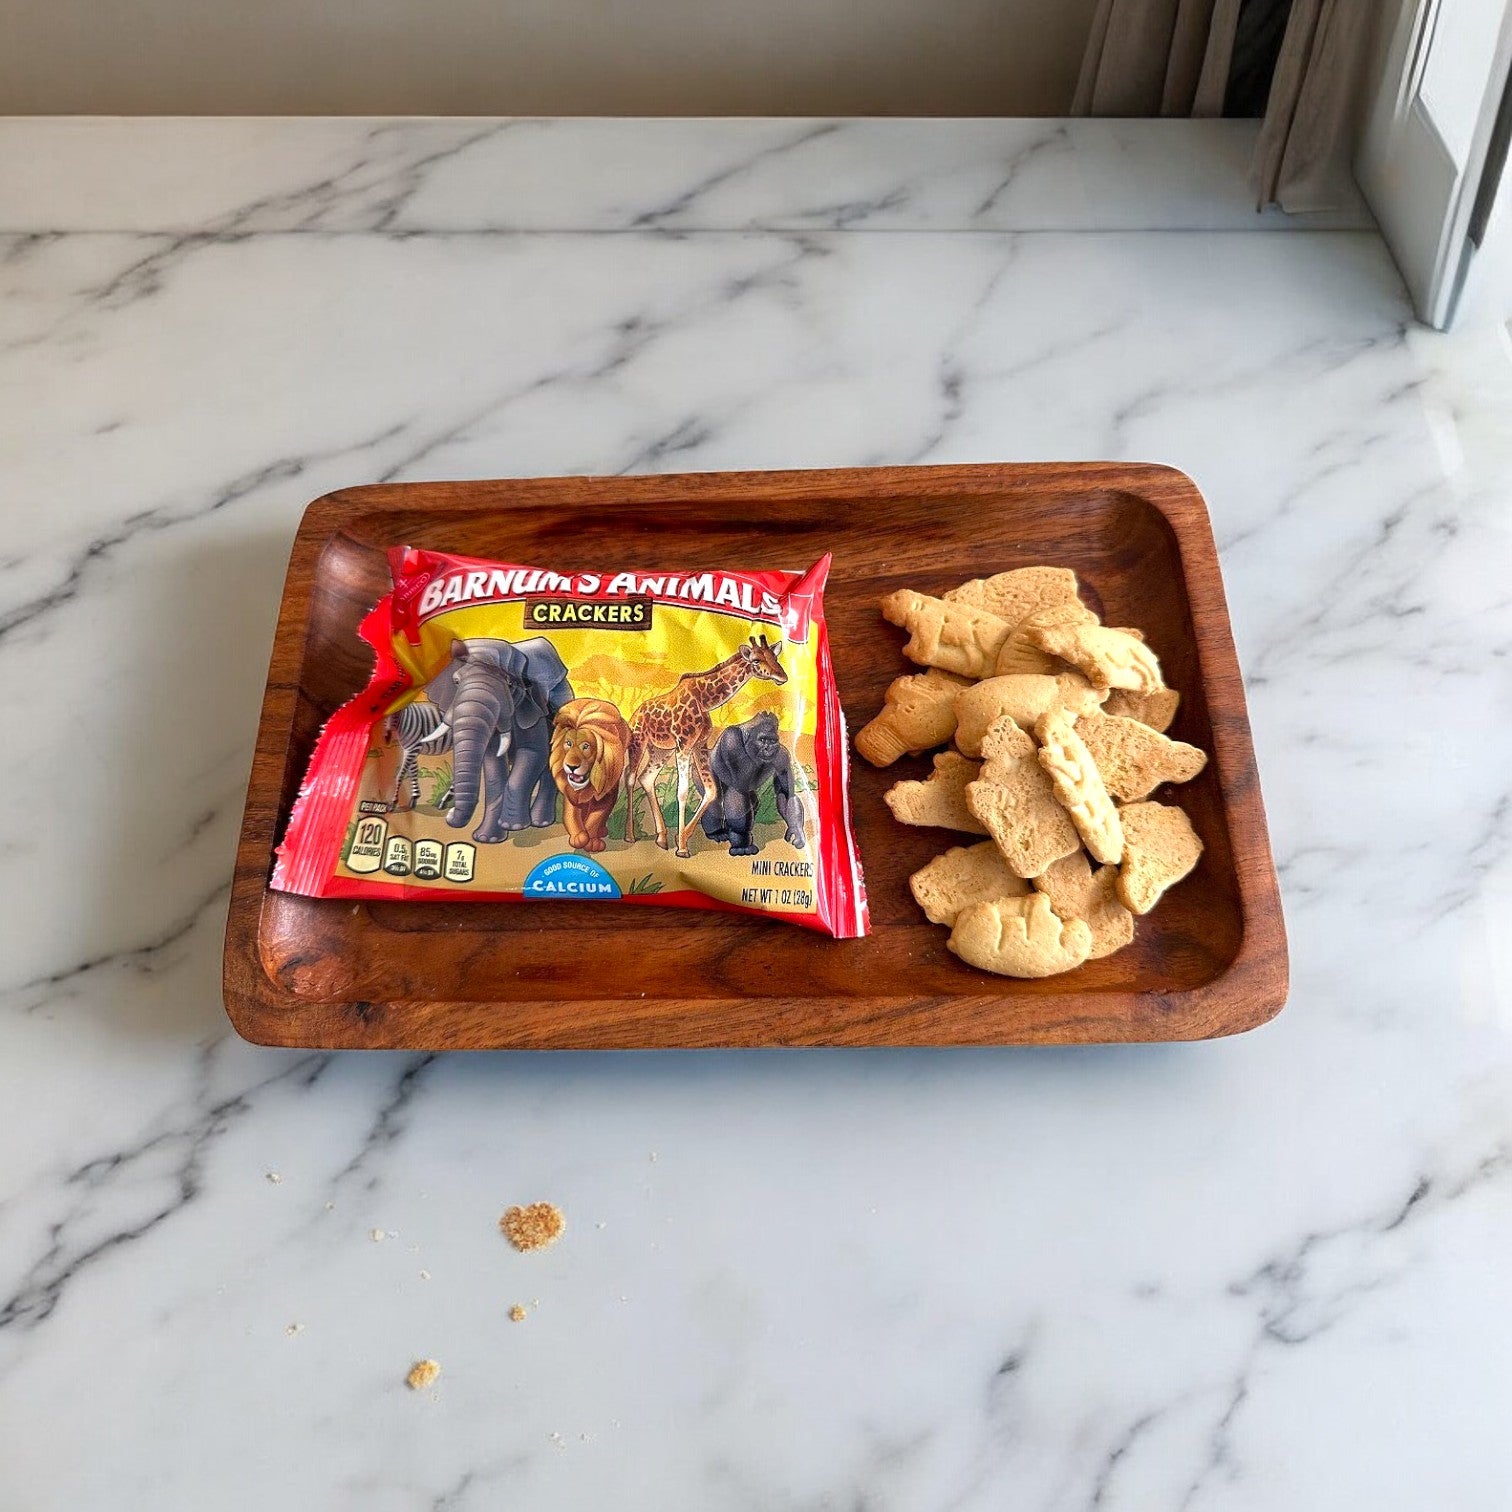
1210,960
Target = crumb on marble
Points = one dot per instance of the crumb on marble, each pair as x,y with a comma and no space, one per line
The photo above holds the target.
423,1373
425,1275
533,1227
294,1328
274,1177
517,1314
377,1235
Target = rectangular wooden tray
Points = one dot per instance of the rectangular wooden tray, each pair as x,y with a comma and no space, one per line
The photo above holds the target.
1210,960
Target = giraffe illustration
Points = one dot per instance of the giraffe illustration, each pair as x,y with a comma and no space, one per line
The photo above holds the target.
676,726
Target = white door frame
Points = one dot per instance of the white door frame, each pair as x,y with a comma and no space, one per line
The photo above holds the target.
1431,196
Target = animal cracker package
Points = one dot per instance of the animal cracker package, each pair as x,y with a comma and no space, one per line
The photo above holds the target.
637,737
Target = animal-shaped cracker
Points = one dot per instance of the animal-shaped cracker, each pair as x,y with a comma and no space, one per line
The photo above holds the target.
964,875
1019,937
1014,653
1160,848
1015,801
1157,709
1076,891
1133,759
1021,651
1106,658
939,800
952,637
1079,787
1023,697
1012,595
919,713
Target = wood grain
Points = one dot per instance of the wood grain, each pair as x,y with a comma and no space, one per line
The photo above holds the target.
1211,960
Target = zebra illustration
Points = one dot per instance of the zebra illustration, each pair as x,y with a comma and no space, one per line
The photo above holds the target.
417,727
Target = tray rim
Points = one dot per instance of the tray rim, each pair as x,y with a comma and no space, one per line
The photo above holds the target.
1250,990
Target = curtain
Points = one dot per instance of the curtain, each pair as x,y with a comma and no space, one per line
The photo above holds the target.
1302,158
1177,58
1257,45
1157,58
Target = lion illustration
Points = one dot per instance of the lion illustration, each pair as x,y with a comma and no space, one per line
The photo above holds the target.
588,745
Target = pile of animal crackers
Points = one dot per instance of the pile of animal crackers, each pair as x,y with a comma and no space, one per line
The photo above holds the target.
1059,726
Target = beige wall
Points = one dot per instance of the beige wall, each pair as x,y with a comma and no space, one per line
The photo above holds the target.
541,57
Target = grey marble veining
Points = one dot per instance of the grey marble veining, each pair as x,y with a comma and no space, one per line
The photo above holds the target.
232,176
1264,1273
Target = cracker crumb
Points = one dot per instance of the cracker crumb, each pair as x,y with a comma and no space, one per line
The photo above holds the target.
425,1275
377,1236
274,1177
533,1227
294,1328
517,1314
330,1207
653,1157
423,1373
601,1225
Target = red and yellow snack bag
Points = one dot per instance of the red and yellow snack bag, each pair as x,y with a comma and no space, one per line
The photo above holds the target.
643,737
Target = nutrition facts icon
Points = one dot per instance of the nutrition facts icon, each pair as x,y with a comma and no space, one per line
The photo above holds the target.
365,853
461,860
396,856
428,858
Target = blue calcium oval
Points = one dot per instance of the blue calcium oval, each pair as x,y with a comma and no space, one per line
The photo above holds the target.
570,877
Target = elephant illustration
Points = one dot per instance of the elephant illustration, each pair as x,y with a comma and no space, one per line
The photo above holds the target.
500,698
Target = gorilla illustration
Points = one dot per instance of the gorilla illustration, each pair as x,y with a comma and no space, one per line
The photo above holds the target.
745,757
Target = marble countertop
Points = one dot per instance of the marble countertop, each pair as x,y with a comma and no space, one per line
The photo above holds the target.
1268,1273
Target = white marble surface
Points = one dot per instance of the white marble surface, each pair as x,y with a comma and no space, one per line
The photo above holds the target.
1268,1273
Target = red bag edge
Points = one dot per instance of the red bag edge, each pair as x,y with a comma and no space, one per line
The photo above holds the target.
306,858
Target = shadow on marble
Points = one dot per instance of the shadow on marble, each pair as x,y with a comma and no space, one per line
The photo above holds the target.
196,653
819,1071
